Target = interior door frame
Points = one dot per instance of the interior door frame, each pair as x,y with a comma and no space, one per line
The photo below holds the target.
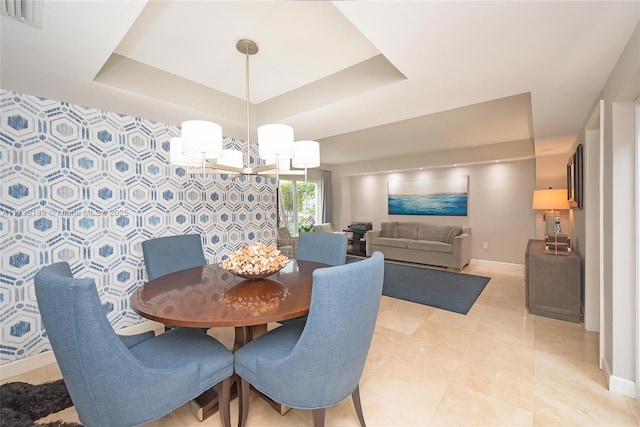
637,243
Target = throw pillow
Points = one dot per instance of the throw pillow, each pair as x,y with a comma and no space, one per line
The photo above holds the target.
389,229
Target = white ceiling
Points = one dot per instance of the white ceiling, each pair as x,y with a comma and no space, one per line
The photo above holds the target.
368,79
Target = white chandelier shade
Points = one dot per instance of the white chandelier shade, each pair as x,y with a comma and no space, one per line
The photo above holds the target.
200,145
306,154
201,139
275,141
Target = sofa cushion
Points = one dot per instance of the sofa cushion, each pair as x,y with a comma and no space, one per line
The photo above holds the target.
388,241
389,229
327,227
430,245
438,233
408,230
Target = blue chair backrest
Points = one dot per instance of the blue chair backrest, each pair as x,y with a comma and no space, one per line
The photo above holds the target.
95,363
327,248
330,355
164,255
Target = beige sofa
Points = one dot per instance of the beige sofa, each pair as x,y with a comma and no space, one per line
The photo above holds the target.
424,243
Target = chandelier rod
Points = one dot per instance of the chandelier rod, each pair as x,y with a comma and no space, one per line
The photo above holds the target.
248,47
248,110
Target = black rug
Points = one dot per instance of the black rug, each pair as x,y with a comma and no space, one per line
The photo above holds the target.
447,290
22,404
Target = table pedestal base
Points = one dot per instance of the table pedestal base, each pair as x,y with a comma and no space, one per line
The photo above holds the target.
205,405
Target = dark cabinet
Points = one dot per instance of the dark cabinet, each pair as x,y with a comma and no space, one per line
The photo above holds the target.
553,285
357,244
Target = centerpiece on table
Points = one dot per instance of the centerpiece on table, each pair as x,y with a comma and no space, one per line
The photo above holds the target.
255,261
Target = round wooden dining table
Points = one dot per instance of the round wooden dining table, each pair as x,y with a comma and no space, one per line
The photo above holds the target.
209,296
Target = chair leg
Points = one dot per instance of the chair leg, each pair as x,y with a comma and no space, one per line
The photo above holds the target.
318,417
224,401
243,401
355,396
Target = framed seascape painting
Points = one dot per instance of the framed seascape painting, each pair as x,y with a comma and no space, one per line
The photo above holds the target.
443,195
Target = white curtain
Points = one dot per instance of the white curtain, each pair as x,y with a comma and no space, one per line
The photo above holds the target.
326,197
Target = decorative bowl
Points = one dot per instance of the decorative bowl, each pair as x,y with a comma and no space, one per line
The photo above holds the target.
256,276
255,261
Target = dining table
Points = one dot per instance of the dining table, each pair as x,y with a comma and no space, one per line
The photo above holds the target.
210,297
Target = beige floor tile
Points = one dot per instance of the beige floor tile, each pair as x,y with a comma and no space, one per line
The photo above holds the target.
566,339
498,368
399,321
377,411
497,365
460,321
571,392
440,336
407,387
429,359
462,406
634,407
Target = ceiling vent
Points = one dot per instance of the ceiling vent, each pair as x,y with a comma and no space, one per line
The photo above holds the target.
27,11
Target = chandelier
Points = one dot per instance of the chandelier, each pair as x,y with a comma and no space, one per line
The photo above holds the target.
199,149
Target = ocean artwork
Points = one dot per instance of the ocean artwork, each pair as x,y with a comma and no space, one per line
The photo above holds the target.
443,195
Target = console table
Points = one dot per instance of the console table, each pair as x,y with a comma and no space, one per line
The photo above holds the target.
553,287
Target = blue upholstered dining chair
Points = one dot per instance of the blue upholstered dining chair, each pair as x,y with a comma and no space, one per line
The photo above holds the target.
124,380
164,255
327,248
315,365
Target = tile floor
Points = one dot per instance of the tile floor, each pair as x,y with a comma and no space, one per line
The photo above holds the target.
496,366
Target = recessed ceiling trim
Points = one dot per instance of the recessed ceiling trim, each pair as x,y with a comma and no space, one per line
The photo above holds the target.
26,11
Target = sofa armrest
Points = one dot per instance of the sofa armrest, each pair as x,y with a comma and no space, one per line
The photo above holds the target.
462,250
369,236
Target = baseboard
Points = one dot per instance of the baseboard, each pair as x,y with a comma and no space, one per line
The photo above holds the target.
616,384
495,263
28,364
622,386
46,358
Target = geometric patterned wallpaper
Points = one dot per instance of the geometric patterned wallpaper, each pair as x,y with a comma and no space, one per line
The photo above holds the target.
87,186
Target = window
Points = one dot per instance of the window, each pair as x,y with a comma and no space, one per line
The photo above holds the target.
299,203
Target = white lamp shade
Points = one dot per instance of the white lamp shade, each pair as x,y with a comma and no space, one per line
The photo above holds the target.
231,158
175,154
306,154
275,141
201,138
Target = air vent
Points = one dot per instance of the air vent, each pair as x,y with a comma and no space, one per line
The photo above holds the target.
27,11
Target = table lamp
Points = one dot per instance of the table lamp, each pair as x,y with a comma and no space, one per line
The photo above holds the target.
551,201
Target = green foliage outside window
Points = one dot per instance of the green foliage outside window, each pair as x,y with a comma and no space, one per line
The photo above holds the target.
298,218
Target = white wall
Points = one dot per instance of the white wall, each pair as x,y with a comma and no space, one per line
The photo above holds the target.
620,316
499,205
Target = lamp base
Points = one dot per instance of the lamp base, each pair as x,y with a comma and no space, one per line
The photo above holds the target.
549,221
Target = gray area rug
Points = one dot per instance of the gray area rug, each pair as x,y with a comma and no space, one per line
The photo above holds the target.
22,404
447,290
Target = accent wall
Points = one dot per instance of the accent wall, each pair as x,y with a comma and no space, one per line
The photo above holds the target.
86,186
